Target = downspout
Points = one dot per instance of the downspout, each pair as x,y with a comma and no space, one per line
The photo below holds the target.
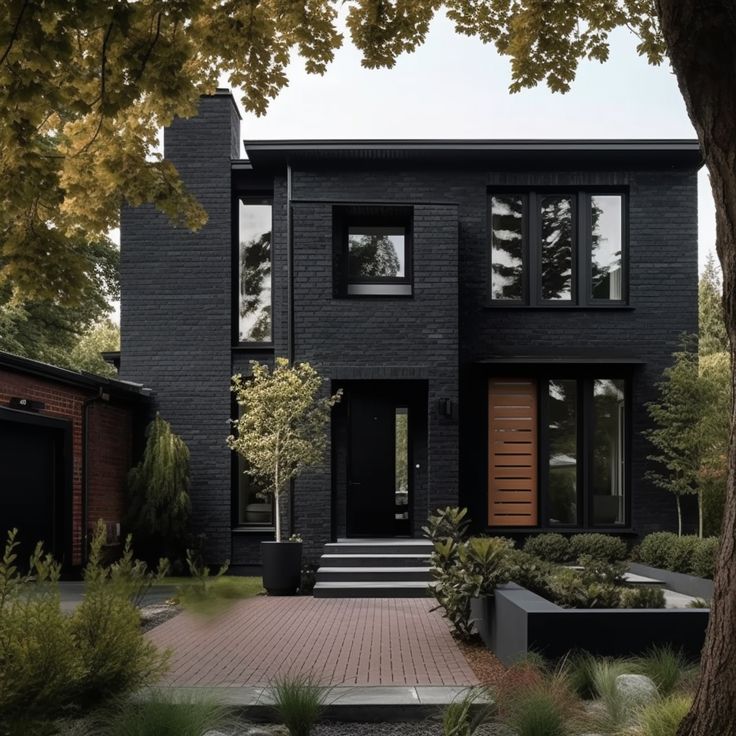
85,470
289,267
290,311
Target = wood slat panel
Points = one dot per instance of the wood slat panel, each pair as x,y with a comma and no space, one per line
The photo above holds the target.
512,463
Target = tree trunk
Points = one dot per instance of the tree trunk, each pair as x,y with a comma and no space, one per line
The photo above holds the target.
679,514
700,513
701,43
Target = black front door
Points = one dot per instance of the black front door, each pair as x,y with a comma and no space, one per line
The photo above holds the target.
378,465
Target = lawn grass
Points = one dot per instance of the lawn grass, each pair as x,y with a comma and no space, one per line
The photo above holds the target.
213,595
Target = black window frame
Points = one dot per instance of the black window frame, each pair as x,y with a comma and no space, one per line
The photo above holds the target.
581,286
585,445
345,217
248,197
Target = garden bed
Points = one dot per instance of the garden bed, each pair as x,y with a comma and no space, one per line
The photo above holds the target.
516,621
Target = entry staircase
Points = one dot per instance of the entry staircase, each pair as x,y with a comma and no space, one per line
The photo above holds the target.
374,568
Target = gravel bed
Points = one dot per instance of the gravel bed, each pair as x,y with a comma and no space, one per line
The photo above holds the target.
485,665
156,614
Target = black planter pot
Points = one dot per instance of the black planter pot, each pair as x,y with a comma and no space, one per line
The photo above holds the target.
282,565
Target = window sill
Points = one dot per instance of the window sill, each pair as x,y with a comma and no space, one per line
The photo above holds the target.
253,530
256,347
373,290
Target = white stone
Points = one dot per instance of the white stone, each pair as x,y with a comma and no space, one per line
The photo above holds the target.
637,689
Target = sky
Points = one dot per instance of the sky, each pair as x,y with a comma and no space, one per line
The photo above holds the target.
457,87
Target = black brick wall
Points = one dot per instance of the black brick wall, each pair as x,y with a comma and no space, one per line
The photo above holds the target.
175,310
176,313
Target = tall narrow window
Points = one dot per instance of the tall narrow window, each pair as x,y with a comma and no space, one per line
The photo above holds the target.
563,452
254,274
401,465
254,507
606,247
556,216
608,452
507,248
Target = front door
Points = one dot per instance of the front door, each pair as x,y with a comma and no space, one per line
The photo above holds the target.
379,465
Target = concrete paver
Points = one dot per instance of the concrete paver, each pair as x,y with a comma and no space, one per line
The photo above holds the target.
395,642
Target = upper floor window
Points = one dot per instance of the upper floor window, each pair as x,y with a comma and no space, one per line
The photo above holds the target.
254,271
557,248
372,251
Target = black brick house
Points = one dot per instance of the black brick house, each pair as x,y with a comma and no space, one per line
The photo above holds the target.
497,313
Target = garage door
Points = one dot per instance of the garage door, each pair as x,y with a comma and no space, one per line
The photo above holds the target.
29,473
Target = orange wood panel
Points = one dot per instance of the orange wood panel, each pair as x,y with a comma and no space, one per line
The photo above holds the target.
512,457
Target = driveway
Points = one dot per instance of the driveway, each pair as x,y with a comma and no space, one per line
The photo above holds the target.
72,592
338,641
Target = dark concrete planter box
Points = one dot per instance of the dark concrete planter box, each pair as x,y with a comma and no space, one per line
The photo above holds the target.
522,622
282,565
677,581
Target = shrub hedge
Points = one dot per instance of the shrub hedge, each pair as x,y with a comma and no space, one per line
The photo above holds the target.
603,547
550,547
688,554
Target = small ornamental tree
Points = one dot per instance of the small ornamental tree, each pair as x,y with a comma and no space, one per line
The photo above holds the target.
158,492
282,425
676,434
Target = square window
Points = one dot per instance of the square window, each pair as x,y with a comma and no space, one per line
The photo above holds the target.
376,252
372,250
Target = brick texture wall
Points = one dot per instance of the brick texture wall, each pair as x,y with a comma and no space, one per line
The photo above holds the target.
110,446
175,315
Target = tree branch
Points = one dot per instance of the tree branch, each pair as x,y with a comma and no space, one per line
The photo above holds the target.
14,35
147,55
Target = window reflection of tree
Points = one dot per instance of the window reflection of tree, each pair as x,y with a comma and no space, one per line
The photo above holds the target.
605,268
373,256
557,227
507,245
563,451
255,278
608,396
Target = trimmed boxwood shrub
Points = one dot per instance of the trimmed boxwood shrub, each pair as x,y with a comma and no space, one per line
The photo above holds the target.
550,547
704,557
681,554
656,549
688,554
602,547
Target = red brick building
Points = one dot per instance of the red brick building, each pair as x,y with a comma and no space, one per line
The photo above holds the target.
67,441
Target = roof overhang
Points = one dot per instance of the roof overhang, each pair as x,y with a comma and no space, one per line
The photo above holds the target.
509,154
78,379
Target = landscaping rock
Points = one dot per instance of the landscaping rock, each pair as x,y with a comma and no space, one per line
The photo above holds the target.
637,689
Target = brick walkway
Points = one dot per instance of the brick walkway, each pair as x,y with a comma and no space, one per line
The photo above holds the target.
345,641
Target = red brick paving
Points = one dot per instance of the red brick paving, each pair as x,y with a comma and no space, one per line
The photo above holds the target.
338,641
